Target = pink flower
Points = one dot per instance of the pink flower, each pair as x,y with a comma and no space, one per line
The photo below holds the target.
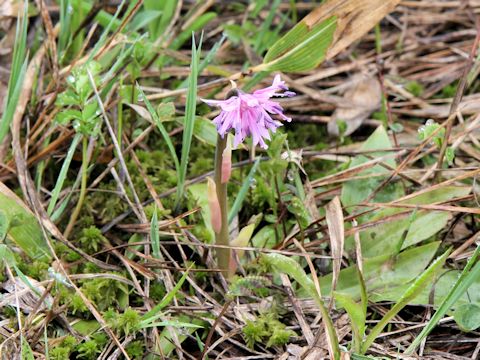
251,114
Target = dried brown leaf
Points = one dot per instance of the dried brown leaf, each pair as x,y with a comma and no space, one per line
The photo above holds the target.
354,19
336,231
363,98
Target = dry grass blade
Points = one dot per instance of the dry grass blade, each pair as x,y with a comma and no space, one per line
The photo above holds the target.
336,230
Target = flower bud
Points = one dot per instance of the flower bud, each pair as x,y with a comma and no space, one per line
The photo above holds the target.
226,163
214,205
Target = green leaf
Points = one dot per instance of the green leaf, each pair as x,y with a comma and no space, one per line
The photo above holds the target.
167,8
160,127
264,238
384,238
301,49
27,353
356,315
290,267
199,194
4,225
440,290
197,25
6,256
24,229
467,317
203,129
63,174
167,345
155,235
154,313
412,291
470,274
382,273
356,191
237,204
17,72
189,122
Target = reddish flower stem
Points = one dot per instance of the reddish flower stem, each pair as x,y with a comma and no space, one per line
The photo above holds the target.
221,238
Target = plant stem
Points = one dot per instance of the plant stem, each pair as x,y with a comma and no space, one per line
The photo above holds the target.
83,188
223,254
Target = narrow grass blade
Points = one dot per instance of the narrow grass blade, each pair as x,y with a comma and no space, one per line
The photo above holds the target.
17,73
153,314
111,22
206,60
466,278
177,324
63,205
160,127
237,204
265,27
65,31
410,294
197,25
167,8
63,174
155,235
189,123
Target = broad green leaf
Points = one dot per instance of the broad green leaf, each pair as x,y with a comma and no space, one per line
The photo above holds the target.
356,191
4,225
467,317
301,49
356,315
265,238
6,256
440,289
204,130
383,239
382,273
24,229
199,194
413,290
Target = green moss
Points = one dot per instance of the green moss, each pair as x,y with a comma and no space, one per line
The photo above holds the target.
91,238
88,350
268,328
415,88
36,270
123,323
64,349
136,350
